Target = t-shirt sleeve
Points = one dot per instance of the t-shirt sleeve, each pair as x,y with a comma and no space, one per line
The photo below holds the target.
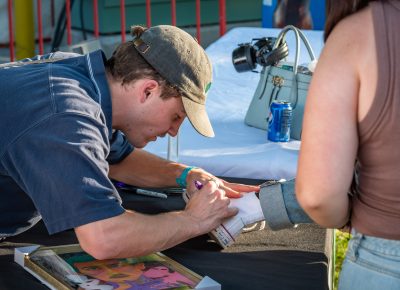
61,164
120,147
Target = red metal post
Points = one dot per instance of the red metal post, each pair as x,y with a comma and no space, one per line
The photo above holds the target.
123,29
10,30
68,15
222,17
40,27
173,12
148,13
96,19
198,21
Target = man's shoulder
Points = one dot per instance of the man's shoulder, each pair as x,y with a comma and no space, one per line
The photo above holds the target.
59,56
49,57
62,55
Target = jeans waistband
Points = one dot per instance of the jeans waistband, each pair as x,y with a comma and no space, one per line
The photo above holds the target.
380,245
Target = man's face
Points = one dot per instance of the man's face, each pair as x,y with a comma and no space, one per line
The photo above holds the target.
141,114
155,118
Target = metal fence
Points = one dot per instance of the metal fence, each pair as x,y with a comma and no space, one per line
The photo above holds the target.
22,35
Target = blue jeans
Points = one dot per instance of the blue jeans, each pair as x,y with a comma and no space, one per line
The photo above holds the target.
371,263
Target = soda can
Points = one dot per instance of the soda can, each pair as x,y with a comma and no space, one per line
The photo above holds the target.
280,118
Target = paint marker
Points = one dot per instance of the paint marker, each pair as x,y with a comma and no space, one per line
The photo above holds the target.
198,184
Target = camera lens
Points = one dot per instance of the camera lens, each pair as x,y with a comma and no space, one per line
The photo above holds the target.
243,58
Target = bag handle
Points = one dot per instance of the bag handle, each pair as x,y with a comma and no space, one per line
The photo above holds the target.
298,35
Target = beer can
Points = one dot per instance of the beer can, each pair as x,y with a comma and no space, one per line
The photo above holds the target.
280,118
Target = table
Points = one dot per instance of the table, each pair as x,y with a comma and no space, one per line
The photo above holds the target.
288,259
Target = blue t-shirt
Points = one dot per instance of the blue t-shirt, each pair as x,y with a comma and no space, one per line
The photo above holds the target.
56,142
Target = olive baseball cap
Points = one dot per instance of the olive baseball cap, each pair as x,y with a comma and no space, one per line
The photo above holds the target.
178,58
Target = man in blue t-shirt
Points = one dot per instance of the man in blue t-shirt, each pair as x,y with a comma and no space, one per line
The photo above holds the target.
69,124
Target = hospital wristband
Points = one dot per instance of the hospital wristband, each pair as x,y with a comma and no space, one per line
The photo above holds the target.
181,180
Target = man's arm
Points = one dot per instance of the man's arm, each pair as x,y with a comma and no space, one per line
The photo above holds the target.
141,168
133,234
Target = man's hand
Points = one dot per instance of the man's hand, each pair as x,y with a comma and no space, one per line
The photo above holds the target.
232,190
208,207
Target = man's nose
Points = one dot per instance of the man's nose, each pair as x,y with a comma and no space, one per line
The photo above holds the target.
173,130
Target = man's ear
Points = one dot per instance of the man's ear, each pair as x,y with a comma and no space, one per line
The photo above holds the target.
148,89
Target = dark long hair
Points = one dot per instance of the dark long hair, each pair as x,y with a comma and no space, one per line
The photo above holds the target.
336,10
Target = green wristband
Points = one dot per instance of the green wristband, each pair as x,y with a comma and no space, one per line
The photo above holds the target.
181,180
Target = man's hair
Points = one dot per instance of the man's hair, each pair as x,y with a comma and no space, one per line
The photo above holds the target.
127,65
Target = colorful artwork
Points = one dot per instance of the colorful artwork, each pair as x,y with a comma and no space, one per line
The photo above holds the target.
78,270
148,272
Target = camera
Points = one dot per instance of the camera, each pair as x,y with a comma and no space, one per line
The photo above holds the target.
259,51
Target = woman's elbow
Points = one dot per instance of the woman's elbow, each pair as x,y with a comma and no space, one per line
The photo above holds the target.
321,207
306,198
311,201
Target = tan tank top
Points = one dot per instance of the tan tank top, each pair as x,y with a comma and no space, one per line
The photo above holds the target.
376,207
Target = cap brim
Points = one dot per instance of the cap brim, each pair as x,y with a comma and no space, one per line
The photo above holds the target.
198,117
